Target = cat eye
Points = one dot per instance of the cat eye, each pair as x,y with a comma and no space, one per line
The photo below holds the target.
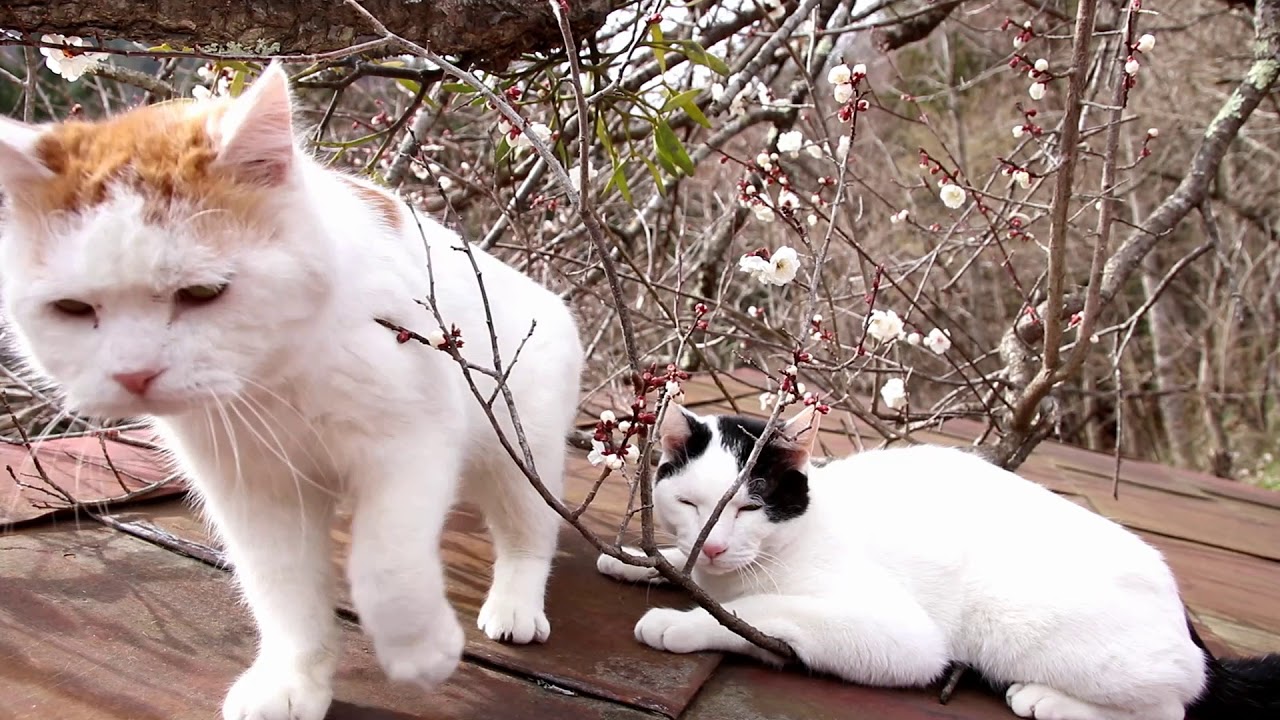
686,502
750,508
200,294
76,308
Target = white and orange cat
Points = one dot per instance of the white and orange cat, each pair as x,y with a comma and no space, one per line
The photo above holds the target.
188,262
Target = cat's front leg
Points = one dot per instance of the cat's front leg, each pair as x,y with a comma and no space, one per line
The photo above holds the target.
277,538
618,570
881,638
403,493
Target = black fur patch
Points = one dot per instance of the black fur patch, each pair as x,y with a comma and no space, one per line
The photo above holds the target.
699,439
1238,688
775,479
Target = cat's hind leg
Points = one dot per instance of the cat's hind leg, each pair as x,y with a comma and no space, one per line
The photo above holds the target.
1041,702
524,531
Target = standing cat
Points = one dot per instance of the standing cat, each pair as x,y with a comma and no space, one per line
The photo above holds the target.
884,567
187,262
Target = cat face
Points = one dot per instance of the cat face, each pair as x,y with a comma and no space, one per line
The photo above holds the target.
155,262
701,460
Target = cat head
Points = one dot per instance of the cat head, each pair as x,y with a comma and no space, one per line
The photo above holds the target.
702,458
156,260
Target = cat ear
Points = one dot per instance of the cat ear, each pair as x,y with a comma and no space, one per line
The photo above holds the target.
801,433
255,135
676,428
18,161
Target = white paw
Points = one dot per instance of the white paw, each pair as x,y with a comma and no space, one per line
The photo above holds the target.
1044,703
506,618
275,691
426,662
618,570
677,631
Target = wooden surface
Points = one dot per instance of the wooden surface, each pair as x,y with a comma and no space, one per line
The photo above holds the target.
128,615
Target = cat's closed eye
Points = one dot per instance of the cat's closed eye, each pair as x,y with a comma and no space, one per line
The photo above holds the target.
200,294
750,508
684,501
75,308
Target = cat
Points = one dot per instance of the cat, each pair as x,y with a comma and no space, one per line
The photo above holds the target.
189,262
885,567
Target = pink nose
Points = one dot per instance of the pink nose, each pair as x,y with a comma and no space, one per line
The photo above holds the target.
137,381
713,550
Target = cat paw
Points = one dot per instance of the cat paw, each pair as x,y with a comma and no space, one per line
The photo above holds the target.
676,631
425,662
618,570
274,691
1041,702
509,619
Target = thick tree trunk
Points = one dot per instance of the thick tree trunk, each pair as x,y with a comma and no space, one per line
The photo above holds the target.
487,33
1176,412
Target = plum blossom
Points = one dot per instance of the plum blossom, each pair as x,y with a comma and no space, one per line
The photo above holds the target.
1042,65
1036,91
763,213
1022,178
575,176
1132,66
894,393
779,268
597,454
952,195
839,75
899,216
1018,131
766,400
938,340
791,142
70,64
1146,43
540,130
788,200
437,339
885,325
913,338
843,93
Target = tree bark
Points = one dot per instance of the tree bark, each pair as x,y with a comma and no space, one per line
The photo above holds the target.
483,33
1176,413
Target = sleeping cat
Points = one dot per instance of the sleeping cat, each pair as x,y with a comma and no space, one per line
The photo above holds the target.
884,567
187,262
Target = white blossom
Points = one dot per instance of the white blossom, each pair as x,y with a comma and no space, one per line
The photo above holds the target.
753,312
575,176
952,195
613,462
436,338
938,340
788,200
1018,131
885,325
1153,132
791,142
1018,42
1146,43
624,426
608,416
596,456
842,148
1022,178
859,70
779,269
444,182
1042,65
1036,91
632,453
894,393
812,220
70,65
817,317
767,399
913,338
764,161
717,91
843,93
1132,67
899,216
839,75
763,213
540,130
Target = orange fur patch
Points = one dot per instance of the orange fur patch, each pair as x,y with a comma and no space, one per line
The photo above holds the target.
161,151
381,202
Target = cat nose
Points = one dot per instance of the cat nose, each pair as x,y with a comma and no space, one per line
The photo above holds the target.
137,381
713,550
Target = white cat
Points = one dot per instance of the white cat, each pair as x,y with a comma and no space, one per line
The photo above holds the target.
187,262
885,567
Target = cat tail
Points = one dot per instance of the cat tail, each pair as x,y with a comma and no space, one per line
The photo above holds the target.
1238,688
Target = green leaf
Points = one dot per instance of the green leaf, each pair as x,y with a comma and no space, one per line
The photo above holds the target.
412,85
685,101
659,46
602,133
503,149
238,81
698,55
458,87
619,180
669,145
656,173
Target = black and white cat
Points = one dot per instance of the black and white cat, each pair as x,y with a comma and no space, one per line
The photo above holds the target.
884,567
